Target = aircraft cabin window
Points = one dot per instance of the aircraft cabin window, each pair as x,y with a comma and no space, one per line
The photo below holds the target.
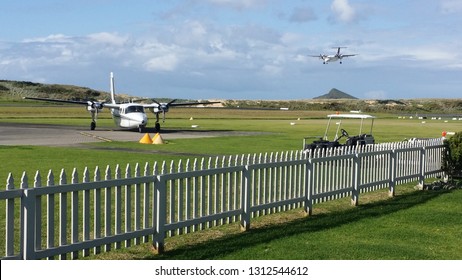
134,109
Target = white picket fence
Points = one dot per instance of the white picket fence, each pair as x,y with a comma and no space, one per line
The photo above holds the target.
74,218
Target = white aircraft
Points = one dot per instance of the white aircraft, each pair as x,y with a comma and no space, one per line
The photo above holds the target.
334,57
125,115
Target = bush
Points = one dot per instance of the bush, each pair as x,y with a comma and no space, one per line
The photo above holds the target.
452,156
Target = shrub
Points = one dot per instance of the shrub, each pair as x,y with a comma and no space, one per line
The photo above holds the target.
452,156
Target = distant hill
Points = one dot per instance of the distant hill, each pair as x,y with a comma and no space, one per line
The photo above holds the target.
335,94
12,92
17,90
20,89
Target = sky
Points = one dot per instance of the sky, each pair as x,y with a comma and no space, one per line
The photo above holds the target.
237,49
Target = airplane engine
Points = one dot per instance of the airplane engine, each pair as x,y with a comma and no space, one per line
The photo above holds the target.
164,107
91,109
94,106
154,110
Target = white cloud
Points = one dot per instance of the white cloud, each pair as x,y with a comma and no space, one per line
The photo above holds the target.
57,53
451,6
436,56
242,47
431,54
303,14
239,4
53,38
190,33
167,62
343,11
108,38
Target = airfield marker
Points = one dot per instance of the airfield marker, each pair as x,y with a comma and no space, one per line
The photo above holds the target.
146,139
157,139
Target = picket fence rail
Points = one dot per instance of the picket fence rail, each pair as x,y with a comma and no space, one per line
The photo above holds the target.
73,217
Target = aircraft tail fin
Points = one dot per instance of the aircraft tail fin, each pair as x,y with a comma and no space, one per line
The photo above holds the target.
338,50
112,89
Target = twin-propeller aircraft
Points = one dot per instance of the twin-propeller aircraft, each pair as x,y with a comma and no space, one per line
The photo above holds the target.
125,115
334,57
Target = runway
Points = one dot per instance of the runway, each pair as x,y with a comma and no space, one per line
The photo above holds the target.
61,135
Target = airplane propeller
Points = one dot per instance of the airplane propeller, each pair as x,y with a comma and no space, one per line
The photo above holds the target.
163,107
95,105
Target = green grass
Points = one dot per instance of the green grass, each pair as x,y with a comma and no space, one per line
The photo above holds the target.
275,136
32,158
413,225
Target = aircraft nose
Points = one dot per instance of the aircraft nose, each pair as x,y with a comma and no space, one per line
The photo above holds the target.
142,119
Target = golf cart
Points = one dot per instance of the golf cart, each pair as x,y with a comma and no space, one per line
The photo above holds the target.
361,138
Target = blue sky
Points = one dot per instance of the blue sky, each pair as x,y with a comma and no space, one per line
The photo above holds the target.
237,49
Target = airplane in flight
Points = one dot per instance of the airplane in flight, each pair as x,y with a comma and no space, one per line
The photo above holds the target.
334,57
125,115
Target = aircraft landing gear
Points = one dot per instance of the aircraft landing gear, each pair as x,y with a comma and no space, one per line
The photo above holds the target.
157,127
94,117
141,128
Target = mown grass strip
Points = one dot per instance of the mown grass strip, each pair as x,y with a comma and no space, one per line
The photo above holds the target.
412,225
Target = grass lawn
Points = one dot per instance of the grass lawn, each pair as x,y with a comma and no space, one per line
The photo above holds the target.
413,225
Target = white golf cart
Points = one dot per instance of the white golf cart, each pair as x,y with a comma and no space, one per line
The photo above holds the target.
362,138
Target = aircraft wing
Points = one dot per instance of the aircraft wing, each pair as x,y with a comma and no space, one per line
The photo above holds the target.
111,105
194,103
93,104
156,104
58,100
347,55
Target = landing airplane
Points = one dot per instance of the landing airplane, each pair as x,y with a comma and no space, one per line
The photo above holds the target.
334,57
125,115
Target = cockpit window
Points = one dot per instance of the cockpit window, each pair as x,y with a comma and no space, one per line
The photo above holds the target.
134,109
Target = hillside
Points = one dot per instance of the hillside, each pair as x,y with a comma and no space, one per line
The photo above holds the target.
335,100
11,91
335,94
402,107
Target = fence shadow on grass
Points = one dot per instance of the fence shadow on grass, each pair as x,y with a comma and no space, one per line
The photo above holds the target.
219,248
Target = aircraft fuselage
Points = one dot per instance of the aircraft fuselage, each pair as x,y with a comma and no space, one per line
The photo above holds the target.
130,116
331,58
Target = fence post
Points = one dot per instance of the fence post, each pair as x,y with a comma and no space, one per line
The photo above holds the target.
63,214
423,159
160,214
356,179
246,197
28,209
309,188
75,214
29,224
392,175
97,211
9,229
86,213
